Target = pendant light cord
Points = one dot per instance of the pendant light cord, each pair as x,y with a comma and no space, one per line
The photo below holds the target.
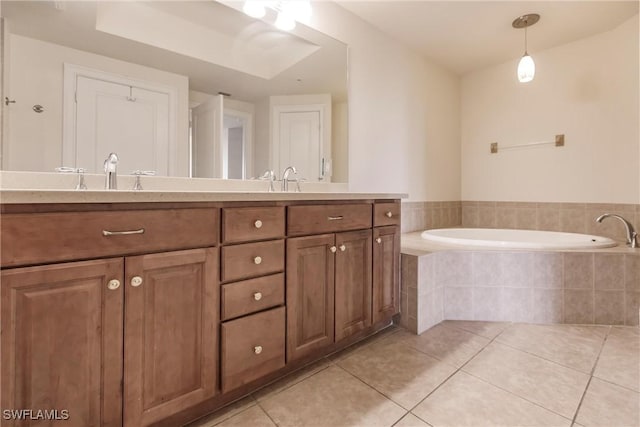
525,39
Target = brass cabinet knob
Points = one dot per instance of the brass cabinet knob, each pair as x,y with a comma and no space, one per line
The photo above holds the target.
378,240
343,248
257,260
136,281
389,214
333,249
113,284
257,224
257,349
257,296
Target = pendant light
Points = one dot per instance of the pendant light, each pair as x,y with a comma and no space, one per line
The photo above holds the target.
526,66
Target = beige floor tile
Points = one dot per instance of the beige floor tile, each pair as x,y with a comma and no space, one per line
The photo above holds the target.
291,379
484,329
448,344
608,405
619,361
467,401
401,373
331,398
573,346
548,384
224,413
410,420
384,334
254,417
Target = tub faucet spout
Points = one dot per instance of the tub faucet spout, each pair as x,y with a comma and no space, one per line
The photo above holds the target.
632,236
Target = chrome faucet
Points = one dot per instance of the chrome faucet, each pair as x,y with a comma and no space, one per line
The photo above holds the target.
271,176
285,177
632,236
111,172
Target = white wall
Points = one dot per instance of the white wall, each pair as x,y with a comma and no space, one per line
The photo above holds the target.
36,77
587,90
403,113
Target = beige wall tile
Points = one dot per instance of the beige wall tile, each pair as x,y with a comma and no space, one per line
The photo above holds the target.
517,304
548,306
526,218
487,268
505,217
469,216
573,220
578,306
631,309
486,217
578,270
609,307
431,310
458,303
547,269
632,273
408,272
609,271
516,269
453,268
487,304
548,219
426,274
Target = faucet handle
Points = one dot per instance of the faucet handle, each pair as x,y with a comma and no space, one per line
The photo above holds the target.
138,173
298,181
80,171
271,176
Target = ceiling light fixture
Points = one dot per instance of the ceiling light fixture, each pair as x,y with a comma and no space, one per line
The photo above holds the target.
289,11
526,66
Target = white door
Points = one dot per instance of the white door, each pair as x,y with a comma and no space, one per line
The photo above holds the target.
206,122
128,121
299,143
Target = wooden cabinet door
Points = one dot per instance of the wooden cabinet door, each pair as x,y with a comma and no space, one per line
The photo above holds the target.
171,333
62,341
353,282
310,294
386,272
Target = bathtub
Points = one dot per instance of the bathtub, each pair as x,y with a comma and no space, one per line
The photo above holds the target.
516,239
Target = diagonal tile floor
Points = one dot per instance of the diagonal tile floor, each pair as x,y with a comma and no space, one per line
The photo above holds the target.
459,373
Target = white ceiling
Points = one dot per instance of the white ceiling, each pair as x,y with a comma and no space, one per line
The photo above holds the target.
468,35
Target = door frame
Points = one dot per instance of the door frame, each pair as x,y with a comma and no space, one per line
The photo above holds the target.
247,139
276,110
71,72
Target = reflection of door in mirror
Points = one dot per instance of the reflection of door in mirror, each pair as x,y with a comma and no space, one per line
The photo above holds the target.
237,141
302,135
116,118
206,138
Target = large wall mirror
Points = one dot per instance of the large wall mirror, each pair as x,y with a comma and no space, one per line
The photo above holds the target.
182,88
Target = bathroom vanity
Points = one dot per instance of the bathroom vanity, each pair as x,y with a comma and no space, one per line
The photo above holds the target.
159,312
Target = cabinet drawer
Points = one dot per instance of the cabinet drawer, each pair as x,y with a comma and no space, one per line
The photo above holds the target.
252,295
252,259
61,236
252,347
315,219
247,224
386,214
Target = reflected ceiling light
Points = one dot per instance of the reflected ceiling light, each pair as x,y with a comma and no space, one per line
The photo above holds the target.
289,11
254,9
526,66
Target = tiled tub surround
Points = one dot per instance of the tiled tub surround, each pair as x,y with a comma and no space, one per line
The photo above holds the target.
583,287
567,217
417,216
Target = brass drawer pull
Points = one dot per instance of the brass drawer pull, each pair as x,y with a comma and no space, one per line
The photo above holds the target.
335,218
343,248
257,349
257,260
378,240
333,249
257,224
113,284
389,214
257,296
136,281
122,233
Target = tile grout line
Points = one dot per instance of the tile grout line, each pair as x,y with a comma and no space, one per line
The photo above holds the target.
267,413
454,373
593,369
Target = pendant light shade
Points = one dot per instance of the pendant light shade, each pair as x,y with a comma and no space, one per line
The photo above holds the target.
526,69
526,66
254,8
